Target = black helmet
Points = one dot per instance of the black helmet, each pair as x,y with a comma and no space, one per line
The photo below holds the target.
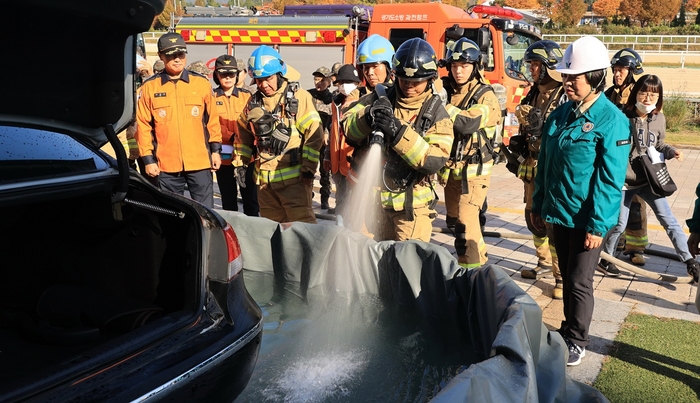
547,52
628,58
415,60
464,50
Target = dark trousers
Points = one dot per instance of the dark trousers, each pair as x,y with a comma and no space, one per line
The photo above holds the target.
229,190
325,180
577,267
199,183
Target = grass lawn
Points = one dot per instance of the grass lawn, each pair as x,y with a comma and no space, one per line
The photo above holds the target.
653,360
688,136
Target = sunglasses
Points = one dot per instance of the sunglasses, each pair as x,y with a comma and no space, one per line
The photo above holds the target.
228,74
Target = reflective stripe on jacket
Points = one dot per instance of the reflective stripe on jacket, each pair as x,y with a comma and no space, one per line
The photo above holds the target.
302,152
425,154
177,124
484,114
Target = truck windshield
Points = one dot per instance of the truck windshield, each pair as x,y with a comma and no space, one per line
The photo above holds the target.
514,65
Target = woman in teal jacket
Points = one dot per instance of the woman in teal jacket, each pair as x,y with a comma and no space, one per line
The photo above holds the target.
582,162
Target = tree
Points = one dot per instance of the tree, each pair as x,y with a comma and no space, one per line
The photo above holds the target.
697,17
523,4
606,8
692,4
650,12
162,21
568,13
200,3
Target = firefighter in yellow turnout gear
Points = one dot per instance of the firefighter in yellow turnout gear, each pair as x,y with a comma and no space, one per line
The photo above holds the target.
474,108
545,96
417,140
284,129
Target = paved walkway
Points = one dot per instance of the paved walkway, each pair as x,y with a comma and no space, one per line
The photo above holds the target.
615,298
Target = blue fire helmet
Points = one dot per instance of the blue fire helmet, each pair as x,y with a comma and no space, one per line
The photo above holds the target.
375,49
265,62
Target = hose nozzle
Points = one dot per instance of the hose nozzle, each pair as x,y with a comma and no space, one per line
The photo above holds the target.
377,138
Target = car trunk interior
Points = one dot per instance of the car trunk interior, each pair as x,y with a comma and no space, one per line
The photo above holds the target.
75,280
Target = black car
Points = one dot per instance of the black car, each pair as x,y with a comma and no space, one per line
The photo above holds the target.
110,289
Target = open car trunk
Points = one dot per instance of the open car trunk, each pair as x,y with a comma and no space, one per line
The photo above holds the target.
79,287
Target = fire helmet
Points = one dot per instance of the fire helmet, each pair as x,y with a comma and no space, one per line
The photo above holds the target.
375,49
628,58
415,60
464,50
547,52
265,61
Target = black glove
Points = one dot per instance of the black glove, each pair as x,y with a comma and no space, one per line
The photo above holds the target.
279,139
388,124
382,104
239,174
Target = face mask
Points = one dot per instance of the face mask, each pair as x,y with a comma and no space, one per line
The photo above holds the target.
346,89
646,109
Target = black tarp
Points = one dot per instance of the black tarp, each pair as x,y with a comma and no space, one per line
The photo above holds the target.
518,359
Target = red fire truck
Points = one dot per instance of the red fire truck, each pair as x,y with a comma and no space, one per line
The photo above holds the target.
308,41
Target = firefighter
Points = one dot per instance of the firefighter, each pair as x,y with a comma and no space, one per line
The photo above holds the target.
323,98
178,130
374,56
544,96
417,137
466,177
282,124
625,64
339,153
230,102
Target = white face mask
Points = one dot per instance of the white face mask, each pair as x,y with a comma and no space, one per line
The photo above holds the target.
646,109
346,89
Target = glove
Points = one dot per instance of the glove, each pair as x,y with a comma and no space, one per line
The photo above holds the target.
521,113
278,140
388,124
382,104
239,174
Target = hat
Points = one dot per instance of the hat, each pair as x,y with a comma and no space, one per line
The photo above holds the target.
335,68
347,72
158,66
226,64
199,67
322,72
241,65
171,43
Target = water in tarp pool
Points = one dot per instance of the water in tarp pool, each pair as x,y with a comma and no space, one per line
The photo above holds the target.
338,349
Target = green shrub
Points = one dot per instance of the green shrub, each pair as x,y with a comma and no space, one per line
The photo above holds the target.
678,112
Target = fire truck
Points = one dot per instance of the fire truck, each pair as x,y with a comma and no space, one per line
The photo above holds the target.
500,34
305,42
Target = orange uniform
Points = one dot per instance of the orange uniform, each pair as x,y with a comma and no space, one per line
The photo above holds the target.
177,124
229,110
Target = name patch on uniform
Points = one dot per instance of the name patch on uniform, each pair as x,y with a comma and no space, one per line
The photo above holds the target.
160,95
587,127
219,103
623,142
195,111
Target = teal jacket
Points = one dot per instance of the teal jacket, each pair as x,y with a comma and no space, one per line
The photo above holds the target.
694,222
582,166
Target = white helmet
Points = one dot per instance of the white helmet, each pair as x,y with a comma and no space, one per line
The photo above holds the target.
583,55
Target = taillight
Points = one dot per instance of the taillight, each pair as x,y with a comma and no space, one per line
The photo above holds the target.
235,258
185,34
